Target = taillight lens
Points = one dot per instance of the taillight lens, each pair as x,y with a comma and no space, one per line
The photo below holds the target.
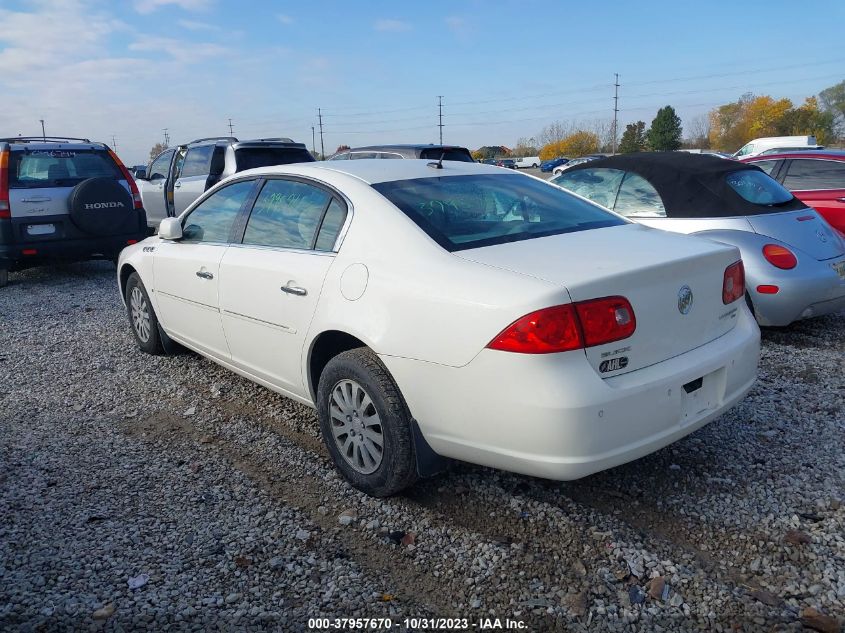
543,332
5,209
568,327
136,195
733,284
780,256
605,320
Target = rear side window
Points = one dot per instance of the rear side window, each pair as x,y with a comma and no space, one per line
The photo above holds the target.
213,218
757,187
287,214
39,168
197,161
815,174
252,157
767,166
598,185
161,166
637,197
448,154
471,211
330,228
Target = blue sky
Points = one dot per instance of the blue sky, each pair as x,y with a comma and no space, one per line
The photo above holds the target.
506,69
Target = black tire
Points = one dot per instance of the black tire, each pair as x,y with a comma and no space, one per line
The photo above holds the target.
397,469
4,277
152,343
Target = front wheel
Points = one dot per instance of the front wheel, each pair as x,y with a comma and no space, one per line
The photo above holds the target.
142,317
366,424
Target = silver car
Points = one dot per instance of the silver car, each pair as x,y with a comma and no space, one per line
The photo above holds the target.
794,260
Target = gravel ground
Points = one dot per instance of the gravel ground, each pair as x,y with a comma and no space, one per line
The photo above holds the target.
166,492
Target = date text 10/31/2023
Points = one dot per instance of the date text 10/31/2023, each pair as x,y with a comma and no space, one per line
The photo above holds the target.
415,624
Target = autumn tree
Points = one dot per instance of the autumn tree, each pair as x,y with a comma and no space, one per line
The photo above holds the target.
342,148
808,119
157,149
633,138
525,147
665,133
577,144
698,132
832,100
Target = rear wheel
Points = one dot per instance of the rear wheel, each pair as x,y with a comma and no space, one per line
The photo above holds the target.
142,318
365,424
4,277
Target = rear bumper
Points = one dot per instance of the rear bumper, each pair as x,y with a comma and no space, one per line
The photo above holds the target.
553,416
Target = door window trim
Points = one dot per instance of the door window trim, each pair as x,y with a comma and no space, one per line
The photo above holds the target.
233,231
788,163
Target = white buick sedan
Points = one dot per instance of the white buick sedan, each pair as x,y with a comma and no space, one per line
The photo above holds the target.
450,310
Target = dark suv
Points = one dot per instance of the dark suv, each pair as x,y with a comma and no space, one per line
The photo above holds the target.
427,152
64,198
180,175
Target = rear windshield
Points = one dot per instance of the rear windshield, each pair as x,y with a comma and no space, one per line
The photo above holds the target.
252,157
449,153
758,188
39,168
461,212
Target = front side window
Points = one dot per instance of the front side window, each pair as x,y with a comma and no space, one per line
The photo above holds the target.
807,173
637,197
286,214
161,166
757,187
745,149
212,220
598,185
472,211
197,161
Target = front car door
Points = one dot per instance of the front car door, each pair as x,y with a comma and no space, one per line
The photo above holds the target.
270,283
193,178
186,271
153,188
820,184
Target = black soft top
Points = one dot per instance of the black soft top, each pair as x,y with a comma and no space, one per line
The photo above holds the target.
690,185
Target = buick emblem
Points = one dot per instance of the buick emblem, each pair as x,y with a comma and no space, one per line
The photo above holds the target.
684,300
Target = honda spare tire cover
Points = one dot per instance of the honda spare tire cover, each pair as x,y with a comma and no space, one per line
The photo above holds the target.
101,206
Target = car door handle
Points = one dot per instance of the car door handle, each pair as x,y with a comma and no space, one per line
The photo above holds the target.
177,185
204,275
37,199
294,290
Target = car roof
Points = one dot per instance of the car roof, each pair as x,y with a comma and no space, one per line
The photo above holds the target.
813,153
375,170
40,143
406,146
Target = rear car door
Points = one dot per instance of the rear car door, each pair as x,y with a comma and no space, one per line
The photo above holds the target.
153,188
186,272
820,184
270,283
193,179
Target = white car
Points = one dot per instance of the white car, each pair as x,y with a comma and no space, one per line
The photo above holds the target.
457,310
527,162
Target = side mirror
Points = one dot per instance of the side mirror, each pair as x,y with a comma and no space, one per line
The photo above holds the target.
170,229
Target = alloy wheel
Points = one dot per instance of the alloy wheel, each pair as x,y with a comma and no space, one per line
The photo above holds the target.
356,426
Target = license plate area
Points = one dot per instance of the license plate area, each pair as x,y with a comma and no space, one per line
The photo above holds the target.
839,268
702,395
40,229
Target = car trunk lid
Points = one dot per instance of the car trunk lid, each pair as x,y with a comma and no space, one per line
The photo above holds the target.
650,268
804,229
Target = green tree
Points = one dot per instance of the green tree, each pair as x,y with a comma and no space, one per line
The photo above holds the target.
633,138
833,101
808,119
665,133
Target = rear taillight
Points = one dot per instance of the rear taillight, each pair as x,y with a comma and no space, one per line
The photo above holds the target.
567,327
733,284
133,188
5,209
780,256
605,320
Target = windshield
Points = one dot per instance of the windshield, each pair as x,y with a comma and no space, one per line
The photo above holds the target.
757,187
251,157
461,212
40,168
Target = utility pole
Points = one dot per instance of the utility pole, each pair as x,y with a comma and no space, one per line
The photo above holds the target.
231,133
322,145
113,143
313,141
166,138
440,113
43,133
615,108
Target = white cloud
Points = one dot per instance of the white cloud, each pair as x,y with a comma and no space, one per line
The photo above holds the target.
193,25
284,19
148,6
180,50
391,26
